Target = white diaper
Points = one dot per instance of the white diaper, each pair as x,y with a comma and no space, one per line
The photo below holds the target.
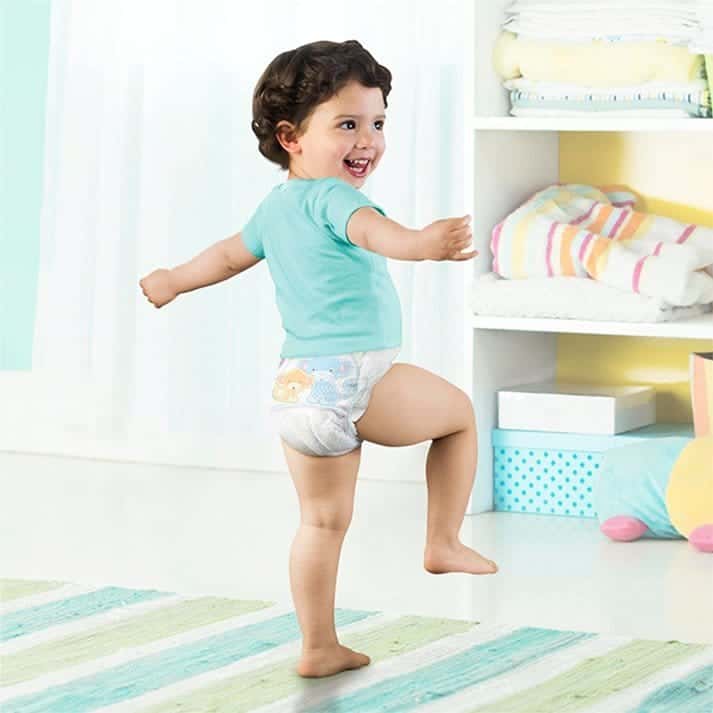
315,400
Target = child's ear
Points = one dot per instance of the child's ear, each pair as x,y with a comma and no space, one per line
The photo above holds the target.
286,134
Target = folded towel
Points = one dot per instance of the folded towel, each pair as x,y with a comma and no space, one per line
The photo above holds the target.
557,90
682,8
621,20
561,31
607,108
575,230
691,97
594,63
703,40
570,298
538,112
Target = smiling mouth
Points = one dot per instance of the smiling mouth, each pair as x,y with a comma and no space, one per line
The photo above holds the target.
357,167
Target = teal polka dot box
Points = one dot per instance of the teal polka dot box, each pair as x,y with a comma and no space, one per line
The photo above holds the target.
554,473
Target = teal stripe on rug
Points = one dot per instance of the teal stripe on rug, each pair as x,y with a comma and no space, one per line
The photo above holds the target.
155,671
63,611
455,673
692,694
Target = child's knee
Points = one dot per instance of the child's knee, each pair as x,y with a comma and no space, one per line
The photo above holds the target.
463,409
334,517
468,411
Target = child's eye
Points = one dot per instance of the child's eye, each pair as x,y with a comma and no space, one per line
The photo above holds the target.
351,124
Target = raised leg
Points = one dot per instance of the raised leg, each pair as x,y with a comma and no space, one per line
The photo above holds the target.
410,405
325,488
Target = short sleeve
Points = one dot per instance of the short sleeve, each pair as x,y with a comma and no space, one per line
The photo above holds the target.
252,235
334,204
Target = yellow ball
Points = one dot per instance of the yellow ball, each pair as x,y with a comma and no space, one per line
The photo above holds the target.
689,496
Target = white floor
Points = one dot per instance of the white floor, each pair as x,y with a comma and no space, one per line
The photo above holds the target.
192,530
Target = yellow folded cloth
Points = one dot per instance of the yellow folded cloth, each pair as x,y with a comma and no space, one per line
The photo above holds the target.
594,63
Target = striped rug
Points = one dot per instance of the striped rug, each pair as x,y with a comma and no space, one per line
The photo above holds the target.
68,648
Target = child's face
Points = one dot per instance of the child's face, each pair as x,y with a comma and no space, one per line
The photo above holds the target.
347,127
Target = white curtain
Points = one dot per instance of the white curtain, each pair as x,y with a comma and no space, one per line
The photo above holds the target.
150,159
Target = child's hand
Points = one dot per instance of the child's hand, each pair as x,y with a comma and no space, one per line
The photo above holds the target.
444,239
159,287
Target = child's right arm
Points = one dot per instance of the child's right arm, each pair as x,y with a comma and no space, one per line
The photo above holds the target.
220,261
442,240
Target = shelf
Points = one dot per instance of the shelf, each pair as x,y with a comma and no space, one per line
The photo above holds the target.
511,123
694,328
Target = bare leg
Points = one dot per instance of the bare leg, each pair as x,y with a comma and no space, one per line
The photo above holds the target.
456,453
450,472
411,405
325,487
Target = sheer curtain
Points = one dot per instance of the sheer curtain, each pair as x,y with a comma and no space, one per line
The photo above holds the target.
150,159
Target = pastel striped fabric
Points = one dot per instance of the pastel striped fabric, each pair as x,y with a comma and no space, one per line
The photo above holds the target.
702,393
71,649
691,99
582,231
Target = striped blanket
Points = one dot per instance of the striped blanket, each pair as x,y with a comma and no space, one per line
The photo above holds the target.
582,231
73,649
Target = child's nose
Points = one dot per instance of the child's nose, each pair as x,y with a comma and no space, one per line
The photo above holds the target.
365,139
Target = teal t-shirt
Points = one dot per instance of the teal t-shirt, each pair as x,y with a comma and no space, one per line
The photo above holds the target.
334,297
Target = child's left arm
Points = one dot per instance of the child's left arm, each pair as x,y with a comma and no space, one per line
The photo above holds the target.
219,262
442,240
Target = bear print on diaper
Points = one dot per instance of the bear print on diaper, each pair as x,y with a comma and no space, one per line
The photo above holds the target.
334,379
290,384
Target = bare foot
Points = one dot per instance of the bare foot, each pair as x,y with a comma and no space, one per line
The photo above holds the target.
317,663
439,559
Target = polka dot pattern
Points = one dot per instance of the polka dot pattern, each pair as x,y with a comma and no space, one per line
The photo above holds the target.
545,482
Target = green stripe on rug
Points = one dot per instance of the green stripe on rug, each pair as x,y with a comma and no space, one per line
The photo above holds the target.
105,640
265,685
15,588
596,678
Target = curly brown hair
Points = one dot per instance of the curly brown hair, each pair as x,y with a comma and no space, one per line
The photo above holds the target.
297,81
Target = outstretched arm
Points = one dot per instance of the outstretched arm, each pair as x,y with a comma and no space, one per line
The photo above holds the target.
442,240
220,261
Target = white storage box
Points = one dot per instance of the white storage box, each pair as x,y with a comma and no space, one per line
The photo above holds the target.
576,408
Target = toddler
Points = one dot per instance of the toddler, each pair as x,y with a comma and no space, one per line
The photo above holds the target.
319,113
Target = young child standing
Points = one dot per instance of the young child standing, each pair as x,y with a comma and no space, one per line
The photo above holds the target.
319,113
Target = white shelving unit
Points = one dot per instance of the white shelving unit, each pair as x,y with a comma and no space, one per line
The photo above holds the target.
511,158
500,123
694,328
